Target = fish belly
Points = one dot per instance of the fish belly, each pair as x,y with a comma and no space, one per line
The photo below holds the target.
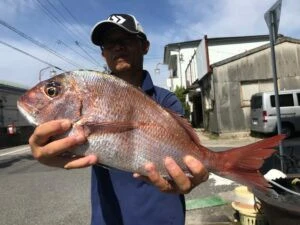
131,151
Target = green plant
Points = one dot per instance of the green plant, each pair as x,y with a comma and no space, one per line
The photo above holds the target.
180,92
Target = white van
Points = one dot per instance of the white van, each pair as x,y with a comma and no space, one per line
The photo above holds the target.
263,112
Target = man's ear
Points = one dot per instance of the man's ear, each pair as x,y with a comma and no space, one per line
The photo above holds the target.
146,46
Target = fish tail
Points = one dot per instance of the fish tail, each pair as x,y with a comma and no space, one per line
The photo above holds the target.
242,164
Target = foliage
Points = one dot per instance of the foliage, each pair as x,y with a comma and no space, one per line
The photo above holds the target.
180,92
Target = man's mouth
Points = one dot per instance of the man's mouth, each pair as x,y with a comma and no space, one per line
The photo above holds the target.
120,57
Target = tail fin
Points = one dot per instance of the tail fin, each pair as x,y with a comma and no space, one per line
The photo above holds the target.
242,164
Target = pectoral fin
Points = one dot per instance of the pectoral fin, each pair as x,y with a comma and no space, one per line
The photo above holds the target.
110,127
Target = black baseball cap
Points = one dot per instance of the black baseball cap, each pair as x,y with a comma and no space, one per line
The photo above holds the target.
125,21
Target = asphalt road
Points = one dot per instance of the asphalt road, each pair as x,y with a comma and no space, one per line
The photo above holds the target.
33,194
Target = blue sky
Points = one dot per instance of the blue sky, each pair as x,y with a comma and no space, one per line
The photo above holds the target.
164,22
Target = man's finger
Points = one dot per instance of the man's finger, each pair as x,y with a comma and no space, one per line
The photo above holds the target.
197,169
57,147
182,182
141,177
82,162
43,132
156,179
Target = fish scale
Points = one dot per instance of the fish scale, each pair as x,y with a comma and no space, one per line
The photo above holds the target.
126,129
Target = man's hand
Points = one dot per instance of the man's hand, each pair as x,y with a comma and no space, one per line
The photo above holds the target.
51,152
180,183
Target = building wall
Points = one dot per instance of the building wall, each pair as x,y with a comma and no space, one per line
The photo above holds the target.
234,83
216,53
191,72
9,114
209,107
182,62
201,60
9,111
220,52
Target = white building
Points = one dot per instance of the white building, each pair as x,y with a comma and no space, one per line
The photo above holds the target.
177,57
190,61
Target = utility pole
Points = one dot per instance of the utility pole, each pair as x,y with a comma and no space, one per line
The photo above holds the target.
1,113
272,18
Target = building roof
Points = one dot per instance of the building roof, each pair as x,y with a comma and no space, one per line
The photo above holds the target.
237,39
211,42
7,85
280,40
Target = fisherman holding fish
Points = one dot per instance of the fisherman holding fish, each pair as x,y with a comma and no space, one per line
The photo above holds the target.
120,197
144,155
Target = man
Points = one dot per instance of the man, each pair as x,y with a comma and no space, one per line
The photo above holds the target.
120,197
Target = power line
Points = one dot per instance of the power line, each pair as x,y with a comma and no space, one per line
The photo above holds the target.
55,18
93,49
28,54
61,42
41,45
59,21
77,43
62,17
71,15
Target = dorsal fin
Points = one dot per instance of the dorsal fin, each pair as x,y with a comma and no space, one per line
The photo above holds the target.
186,125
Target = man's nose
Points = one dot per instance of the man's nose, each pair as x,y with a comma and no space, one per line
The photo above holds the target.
118,45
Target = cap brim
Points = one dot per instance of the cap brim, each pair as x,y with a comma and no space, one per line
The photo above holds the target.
100,28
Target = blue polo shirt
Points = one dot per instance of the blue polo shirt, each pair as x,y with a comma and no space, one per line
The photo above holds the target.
119,199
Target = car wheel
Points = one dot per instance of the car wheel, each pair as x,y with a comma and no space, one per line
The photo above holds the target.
287,130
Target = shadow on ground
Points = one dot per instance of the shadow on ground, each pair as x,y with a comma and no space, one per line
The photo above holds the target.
9,162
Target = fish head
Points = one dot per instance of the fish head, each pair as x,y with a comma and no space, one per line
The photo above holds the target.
55,98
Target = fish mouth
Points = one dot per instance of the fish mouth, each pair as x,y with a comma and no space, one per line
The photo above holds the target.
28,112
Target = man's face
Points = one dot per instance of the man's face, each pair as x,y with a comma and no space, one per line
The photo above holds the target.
123,51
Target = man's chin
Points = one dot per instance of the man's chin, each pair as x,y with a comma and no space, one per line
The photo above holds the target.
123,68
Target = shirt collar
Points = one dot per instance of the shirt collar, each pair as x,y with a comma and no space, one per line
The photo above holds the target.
147,83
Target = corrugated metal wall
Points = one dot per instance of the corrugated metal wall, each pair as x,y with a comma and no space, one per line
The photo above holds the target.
229,112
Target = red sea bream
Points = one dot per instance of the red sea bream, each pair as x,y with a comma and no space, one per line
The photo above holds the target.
127,129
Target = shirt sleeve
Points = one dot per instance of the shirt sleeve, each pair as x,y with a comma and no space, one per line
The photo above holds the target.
169,100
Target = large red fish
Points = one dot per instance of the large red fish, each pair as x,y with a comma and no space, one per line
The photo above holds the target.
127,129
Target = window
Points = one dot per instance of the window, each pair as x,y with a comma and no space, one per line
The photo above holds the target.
298,97
256,102
284,100
174,72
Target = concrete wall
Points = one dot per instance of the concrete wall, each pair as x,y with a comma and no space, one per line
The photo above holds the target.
210,114
8,111
9,114
228,113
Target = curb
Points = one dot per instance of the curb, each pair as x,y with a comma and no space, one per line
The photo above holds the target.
228,141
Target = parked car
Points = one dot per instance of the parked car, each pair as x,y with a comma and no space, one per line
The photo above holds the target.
263,112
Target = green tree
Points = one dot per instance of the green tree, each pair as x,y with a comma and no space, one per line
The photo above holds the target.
180,92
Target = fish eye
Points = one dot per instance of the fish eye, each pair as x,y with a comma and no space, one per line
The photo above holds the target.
52,89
